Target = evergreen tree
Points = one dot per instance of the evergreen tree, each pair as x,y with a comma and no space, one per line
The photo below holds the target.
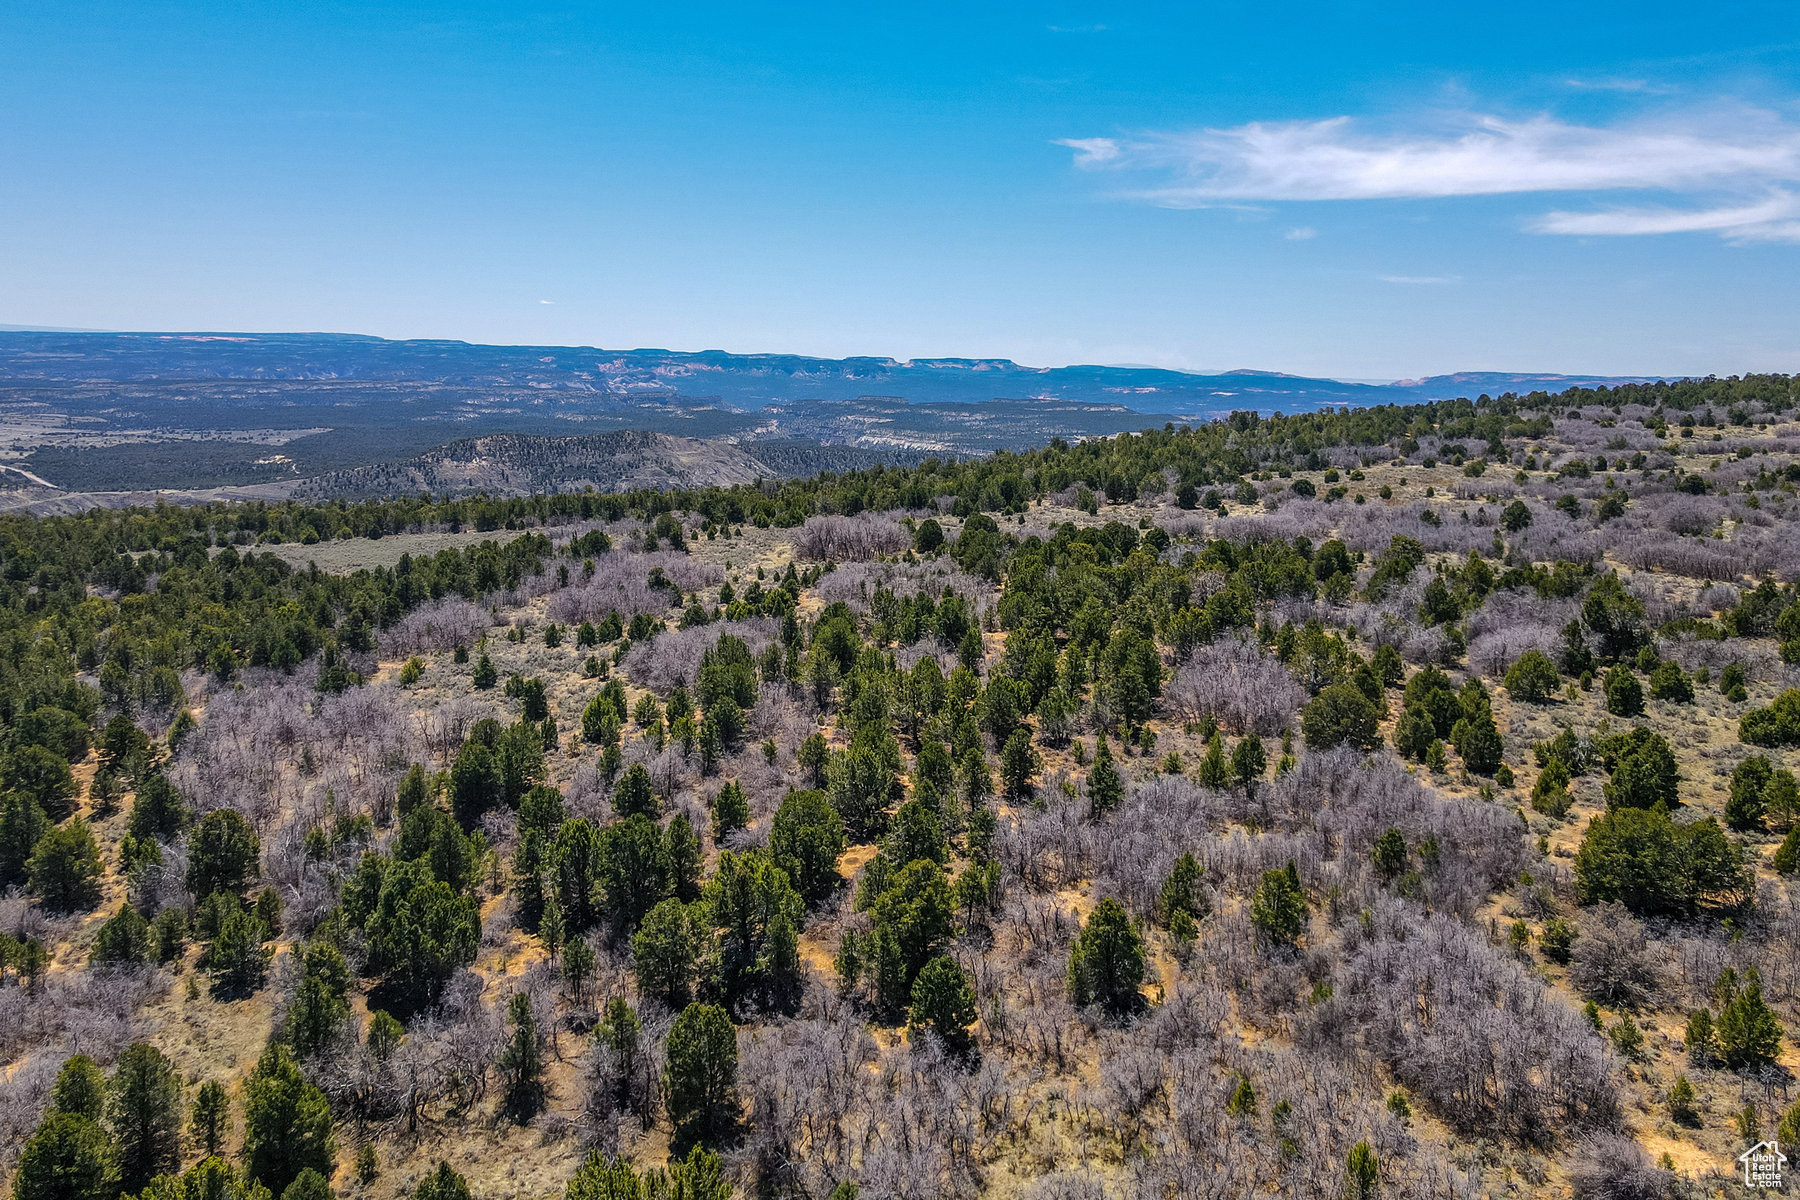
287,1122
730,811
552,930
1104,788
681,851
1106,967
222,854
65,868
1787,855
1215,772
1389,854
308,1185
23,823
701,1077
1745,806
1362,1173
80,1088
124,941
1248,762
1624,694
157,810
484,676
475,783
579,964
635,796
666,952
1018,763
943,1004
320,1005
1180,903
68,1158
1341,716
144,1114
1532,678
210,1122
445,1184
42,775
806,840
1278,910
757,914
413,791
1749,1032
522,1062
237,958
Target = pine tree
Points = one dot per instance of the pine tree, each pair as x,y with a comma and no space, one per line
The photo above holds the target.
551,929
80,1089
1106,966
445,1184
145,1115
1362,1173
222,855
287,1122
1248,762
943,1004
1682,1108
237,958
124,941
1105,790
22,823
68,1158
1702,1041
1181,896
730,811
1215,772
701,1077
485,675
1278,910
578,967
522,1062
65,868
635,795
210,1122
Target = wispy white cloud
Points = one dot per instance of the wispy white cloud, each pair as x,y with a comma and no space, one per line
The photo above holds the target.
546,302
1737,160
1092,152
1776,219
1301,233
1639,86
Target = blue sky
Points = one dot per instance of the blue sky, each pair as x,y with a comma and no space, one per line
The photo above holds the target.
1352,189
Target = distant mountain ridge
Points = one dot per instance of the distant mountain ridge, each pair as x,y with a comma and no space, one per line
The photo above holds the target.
746,382
141,412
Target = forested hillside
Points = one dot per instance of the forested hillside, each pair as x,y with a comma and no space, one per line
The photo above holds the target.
1390,802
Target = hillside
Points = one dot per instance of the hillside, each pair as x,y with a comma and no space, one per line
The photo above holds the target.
1357,803
519,465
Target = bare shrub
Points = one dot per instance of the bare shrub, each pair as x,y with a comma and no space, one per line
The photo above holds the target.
435,627
1247,690
1612,963
864,536
855,583
621,583
1470,1031
1611,1166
